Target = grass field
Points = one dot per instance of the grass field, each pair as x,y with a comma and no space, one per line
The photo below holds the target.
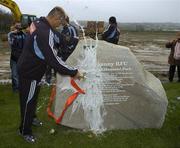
166,137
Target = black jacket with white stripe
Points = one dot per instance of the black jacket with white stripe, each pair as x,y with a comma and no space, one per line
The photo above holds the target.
111,34
16,41
40,50
70,41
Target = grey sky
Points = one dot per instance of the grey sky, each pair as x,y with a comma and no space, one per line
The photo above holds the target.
124,10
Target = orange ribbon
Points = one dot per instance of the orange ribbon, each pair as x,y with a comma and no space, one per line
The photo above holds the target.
69,101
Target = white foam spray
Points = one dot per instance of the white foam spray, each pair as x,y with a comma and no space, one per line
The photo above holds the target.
92,101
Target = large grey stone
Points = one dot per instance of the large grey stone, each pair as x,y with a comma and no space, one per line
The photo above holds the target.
120,94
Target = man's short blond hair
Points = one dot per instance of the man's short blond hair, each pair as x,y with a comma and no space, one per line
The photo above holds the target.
57,11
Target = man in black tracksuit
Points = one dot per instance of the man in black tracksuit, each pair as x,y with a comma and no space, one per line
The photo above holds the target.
70,39
39,51
112,33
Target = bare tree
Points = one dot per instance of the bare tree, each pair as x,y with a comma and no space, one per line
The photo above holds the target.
6,21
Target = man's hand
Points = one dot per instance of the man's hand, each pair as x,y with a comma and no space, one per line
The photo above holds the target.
67,38
15,31
78,76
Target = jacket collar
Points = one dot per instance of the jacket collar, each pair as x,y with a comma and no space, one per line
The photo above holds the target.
43,19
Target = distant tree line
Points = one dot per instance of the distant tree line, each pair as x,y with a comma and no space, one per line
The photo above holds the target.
6,21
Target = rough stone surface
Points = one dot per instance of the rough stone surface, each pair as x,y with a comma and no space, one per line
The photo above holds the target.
132,97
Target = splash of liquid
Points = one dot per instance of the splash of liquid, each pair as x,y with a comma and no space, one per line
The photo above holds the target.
92,102
82,29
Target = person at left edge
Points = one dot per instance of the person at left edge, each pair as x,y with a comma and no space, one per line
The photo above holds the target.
16,39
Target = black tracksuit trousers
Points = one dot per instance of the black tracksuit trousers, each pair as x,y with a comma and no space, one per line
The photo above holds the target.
28,91
172,70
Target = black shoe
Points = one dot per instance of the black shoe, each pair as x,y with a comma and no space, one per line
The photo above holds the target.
170,80
28,137
37,122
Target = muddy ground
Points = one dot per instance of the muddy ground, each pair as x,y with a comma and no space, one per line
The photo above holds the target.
4,61
149,48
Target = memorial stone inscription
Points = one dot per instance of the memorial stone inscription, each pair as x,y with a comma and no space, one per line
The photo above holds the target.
116,77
